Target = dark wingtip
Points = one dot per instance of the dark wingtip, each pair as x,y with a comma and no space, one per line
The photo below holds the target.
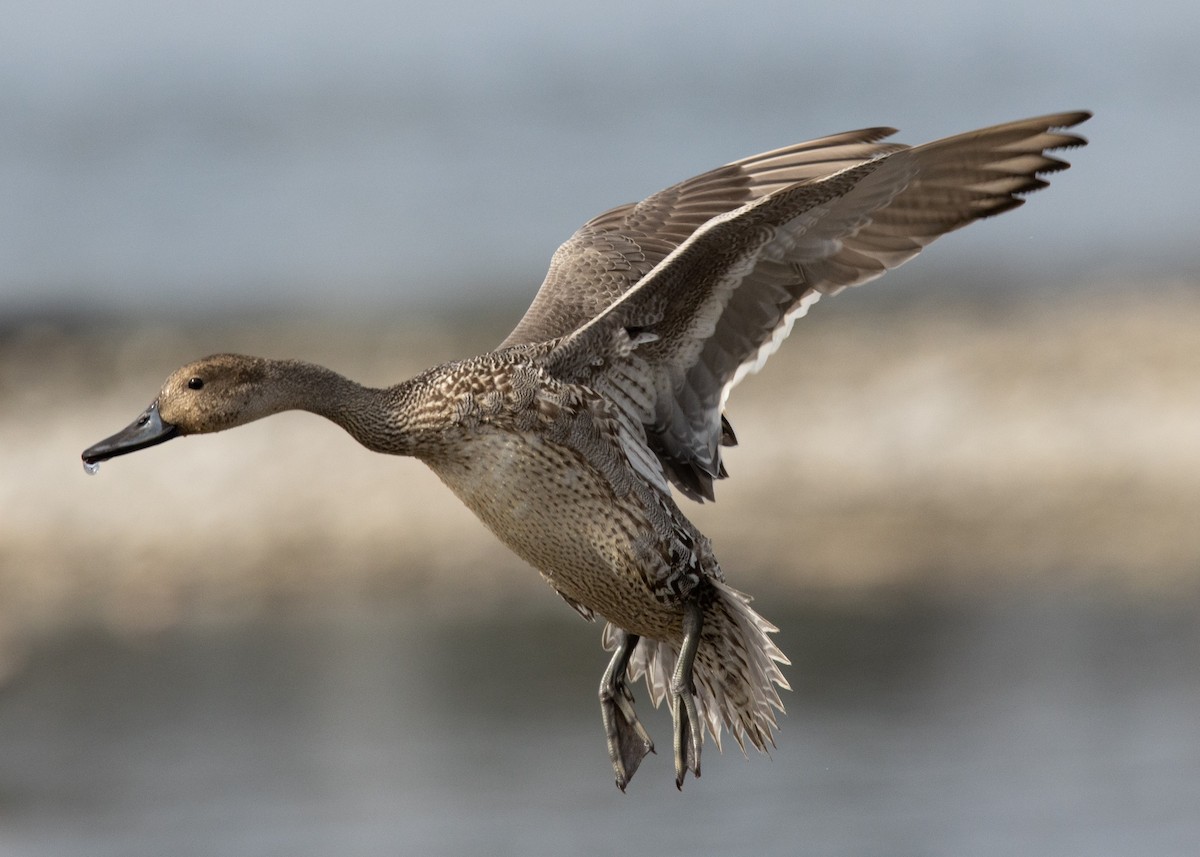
728,438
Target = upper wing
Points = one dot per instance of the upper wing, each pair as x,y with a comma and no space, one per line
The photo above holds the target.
670,349
611,252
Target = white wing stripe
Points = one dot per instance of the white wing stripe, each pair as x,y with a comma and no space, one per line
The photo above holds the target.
778,335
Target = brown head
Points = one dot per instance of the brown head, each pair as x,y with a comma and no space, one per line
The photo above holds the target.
213,394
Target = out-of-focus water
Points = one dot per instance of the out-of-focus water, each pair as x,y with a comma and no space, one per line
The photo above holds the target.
180,156
1061,727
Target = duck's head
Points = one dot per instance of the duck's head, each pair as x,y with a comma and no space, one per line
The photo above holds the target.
209,395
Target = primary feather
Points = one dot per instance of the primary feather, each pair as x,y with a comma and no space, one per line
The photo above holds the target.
716,269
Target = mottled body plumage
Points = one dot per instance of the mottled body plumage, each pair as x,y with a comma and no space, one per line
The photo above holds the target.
566,440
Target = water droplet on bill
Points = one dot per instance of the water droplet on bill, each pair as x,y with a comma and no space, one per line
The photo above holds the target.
91,467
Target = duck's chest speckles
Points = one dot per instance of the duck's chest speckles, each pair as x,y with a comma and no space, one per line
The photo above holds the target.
551,506
536,494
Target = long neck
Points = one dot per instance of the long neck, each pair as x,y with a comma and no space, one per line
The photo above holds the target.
376,418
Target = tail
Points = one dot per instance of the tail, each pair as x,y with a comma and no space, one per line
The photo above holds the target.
736,672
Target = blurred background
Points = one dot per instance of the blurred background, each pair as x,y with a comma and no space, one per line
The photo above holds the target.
967,494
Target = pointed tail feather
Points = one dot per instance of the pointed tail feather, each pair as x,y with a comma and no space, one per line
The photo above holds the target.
737,671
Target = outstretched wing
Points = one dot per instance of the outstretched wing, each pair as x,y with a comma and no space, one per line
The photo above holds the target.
670,349
611,252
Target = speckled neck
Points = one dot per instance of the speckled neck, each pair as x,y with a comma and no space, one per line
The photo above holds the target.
375,417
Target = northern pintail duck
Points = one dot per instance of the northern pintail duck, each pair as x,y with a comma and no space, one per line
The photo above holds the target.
565,440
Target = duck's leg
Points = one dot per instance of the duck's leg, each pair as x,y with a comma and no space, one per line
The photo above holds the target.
689,732
628,742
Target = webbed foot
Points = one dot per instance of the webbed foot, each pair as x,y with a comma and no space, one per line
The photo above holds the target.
628,742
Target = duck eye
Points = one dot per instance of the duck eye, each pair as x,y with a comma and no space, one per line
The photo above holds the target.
195,383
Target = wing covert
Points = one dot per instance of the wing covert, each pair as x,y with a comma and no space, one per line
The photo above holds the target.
724,299
613,251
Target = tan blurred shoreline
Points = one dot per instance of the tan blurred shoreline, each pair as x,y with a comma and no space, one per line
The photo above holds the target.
949,447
